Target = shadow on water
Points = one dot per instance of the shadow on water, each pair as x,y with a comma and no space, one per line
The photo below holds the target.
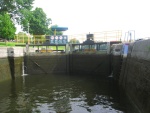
117,94
59,94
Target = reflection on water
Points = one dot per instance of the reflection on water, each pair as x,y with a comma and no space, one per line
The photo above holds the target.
58,94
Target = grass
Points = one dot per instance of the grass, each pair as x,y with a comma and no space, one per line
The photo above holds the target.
5,44
8,44
12,44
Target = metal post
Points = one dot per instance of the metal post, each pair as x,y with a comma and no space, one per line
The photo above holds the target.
27,48
17,38
108,47
28,28
55,32
56,48
23,37
46,49
71,48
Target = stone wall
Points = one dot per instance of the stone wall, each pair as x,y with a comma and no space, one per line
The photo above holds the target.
5,68
5,72
116,61
135,76
11,59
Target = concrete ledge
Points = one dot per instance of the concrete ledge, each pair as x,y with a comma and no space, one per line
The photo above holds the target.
11,52
3,52
116,49
141,50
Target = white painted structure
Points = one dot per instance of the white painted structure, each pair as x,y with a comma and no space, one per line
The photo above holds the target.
11,52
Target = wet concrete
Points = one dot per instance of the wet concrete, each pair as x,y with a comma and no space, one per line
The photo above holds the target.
46,63
91,64
11,59
10,68
135,76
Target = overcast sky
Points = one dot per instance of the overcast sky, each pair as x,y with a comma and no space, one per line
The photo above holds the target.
84,16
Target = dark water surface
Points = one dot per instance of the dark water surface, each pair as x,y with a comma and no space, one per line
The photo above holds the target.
58,94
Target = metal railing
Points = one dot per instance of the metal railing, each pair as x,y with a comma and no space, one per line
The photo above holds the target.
104,36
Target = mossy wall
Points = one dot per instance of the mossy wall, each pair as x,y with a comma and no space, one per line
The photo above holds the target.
135,76
5,71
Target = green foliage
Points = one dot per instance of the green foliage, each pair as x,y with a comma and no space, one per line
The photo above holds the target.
50,32
7,28
10,44
15,7
25,19
21,37
19,10
39,22
74,41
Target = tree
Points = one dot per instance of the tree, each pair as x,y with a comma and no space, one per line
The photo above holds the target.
50,32
15,7
7,27
25,20
39,22
74,41
19,10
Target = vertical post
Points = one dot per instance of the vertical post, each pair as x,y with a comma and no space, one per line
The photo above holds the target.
28,28
96,47
56,48
17,38
23,37
130,36
27,48
79,47
55,32
67,48
28,38
71,48
108,47
34,39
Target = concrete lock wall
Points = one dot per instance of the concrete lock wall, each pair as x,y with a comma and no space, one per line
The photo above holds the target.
91,64
135,76
116,60
46,63
10,62
68,63
4,69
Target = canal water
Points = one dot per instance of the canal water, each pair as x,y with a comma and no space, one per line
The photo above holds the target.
59,94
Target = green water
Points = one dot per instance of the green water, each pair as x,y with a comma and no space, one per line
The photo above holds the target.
59,94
